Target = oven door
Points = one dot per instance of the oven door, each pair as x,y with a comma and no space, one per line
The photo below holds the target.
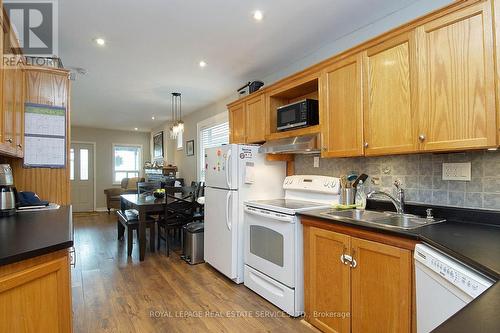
290,117
270,244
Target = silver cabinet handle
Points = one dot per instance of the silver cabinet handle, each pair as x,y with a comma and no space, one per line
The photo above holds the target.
421,137
366,145
20,146
9,140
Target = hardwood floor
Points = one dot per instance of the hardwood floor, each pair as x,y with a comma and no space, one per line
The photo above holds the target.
113,293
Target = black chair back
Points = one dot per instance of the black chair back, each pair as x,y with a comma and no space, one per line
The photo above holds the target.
147,187
181,206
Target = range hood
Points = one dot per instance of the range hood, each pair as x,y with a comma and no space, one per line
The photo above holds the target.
307,144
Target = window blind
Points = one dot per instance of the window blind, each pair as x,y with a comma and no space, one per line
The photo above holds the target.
210,137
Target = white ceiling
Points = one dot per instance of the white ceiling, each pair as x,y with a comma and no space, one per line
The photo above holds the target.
153,47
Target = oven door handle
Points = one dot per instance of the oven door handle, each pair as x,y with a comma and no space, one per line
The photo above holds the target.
270,215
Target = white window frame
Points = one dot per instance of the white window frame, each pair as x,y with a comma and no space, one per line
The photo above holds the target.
219,118
141,153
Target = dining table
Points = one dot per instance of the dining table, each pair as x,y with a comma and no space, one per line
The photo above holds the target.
147,204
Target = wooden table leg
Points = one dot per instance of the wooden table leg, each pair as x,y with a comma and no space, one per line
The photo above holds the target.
142,235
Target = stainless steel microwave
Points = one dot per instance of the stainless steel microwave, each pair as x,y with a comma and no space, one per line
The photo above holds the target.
299,114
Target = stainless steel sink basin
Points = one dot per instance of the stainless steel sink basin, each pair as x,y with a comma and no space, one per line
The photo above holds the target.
358,214
384,219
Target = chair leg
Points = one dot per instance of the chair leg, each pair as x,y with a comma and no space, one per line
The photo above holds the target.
121,229
130,237
166,243
152,238
158,238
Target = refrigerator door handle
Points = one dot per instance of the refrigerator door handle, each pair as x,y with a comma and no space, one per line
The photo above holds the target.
228,165
228,199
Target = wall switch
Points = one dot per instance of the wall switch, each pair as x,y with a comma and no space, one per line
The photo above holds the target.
316,161
457,171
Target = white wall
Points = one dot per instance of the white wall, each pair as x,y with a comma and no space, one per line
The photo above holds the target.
187,164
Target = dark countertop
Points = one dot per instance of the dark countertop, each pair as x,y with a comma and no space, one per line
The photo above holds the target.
475,244
31,234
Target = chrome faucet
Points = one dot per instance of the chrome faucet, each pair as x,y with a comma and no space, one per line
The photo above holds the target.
398,203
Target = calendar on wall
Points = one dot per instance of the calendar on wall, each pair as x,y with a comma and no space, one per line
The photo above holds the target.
44,136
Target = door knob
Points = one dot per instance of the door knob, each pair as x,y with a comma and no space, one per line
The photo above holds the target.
421,137
366,145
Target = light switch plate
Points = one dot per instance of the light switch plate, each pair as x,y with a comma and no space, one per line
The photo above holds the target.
457,171
316,161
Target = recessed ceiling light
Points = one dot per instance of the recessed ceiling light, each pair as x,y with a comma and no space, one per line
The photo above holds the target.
100,41
258,15
203,64
153,117
136,129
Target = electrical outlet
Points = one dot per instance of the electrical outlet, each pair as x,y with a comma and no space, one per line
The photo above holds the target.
456,171
316,161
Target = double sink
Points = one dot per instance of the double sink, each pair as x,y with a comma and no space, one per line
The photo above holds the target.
383,219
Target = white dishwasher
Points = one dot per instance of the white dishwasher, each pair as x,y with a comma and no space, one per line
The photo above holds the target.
443,286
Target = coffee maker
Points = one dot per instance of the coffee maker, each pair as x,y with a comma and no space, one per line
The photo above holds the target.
7,191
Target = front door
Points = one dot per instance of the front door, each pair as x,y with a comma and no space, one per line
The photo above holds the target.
82,177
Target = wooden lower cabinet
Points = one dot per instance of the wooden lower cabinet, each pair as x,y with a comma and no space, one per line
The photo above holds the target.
35,295
327,281
380,287
372,295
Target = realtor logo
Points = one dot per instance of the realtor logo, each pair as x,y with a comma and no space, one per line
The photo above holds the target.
35,24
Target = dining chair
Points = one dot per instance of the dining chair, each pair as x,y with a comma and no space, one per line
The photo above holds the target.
179,211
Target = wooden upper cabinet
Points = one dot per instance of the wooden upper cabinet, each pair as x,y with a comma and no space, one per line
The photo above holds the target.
341,108
381,287
256,119
326,280
389,97
19,111
456,80
48,87
9,80
237,123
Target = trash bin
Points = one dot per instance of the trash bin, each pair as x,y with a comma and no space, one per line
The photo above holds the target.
193,242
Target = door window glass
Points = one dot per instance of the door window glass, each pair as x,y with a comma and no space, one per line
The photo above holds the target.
72,164
84,164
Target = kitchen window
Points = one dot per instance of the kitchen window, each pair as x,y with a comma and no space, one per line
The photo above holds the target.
126,162
212,132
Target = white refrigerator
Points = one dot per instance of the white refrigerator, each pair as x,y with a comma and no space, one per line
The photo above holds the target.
234,174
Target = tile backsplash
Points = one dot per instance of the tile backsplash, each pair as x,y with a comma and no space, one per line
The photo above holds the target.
421,176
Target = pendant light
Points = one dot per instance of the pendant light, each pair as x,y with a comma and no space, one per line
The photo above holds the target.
178,124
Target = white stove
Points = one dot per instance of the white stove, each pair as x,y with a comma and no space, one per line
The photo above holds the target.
273,239
286,206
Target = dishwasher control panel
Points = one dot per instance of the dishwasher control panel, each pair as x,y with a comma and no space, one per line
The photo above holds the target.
463,277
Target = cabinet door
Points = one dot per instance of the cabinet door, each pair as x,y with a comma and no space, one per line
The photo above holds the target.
389,109
256,119
237,124
456,81
341,110
19,111
326,280
7,143
381,287
37,298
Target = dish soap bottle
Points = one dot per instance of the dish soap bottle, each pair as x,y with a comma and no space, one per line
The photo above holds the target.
360,200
